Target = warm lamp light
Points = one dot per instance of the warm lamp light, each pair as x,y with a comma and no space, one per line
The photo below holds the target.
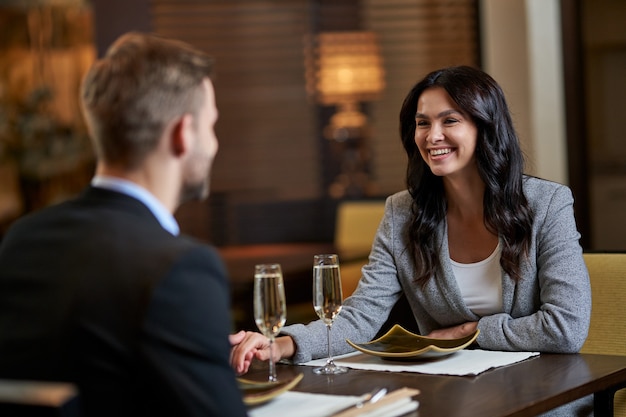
343,69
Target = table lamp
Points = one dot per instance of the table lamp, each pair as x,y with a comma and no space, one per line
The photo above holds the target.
344,69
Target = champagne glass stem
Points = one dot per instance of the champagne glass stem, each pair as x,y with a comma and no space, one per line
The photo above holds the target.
272,376
329,362
327,300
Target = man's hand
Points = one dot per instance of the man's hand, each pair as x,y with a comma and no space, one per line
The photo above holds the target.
247,346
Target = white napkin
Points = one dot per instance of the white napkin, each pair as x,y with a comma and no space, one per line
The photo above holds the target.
398,408
304,404
395,403
463,362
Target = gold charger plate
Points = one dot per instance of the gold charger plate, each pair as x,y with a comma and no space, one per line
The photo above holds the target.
400,344
255,392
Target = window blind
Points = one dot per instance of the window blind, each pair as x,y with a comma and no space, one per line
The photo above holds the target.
270,133
416,36
266,129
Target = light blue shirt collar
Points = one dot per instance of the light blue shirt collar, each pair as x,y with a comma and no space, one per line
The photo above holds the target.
165,218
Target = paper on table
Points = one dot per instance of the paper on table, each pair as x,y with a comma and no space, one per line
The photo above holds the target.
397,408
395,403
463,362
305,404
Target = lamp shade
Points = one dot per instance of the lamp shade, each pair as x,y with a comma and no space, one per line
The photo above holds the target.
344,66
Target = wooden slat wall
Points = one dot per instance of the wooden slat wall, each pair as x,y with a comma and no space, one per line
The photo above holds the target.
267,127
417,36
271,146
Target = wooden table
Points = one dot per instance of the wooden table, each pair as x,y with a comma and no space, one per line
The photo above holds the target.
523,389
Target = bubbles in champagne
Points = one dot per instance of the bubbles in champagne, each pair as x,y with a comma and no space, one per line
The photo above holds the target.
327,295
269,303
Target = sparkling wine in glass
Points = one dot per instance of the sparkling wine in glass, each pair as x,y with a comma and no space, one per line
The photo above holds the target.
270,311
327,301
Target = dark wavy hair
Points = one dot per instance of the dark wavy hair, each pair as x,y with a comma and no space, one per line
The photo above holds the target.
500,164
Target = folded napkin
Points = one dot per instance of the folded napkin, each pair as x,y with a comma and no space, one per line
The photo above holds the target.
304,404
395,403
463,362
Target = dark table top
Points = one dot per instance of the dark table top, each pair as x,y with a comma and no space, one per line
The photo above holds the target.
527,388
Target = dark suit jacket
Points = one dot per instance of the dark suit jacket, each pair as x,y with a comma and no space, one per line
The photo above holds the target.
95,291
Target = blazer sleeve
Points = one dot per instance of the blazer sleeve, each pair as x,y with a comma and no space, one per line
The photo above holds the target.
185,339
365,311
551,306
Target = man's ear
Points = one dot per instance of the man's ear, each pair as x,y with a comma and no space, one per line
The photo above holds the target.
182,135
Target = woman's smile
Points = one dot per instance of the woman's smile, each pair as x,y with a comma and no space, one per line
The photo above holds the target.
445,135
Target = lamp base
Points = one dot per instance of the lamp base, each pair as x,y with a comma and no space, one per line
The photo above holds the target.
346,123
348,134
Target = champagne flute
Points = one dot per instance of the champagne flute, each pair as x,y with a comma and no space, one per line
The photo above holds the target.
270,311
327,299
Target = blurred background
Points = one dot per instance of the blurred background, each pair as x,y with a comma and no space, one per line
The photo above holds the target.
309,93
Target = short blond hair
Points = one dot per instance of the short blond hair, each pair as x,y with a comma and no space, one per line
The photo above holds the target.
130,95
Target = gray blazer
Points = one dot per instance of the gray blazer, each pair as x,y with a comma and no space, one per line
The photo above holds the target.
548,310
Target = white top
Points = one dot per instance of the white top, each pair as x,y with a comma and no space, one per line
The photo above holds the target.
481,284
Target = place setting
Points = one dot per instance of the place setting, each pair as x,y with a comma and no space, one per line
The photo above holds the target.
376,403
398,350
402,345
459,362
266,398
270,314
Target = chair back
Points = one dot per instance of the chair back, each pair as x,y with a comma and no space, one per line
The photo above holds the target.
355,229
607,331
25,398
356,225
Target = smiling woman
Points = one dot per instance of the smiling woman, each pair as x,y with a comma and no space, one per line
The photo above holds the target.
476,247
445,136
463,111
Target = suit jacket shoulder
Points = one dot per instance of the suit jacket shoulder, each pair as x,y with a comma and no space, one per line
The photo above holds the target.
138,317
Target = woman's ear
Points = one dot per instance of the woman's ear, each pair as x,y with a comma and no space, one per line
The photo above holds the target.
182,135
